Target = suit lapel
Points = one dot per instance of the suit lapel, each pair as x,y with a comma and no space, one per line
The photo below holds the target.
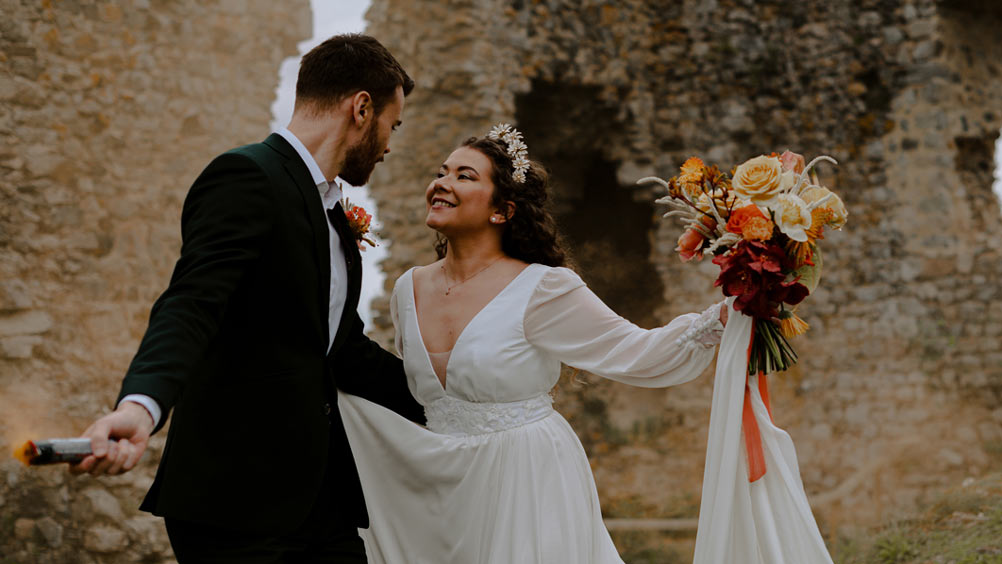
354,262
313,205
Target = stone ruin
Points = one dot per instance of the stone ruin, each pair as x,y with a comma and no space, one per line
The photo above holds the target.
109,109
899,389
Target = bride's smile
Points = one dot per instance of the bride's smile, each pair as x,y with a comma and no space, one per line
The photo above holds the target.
439,202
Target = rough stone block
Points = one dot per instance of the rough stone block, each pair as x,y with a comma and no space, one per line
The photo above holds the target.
951,457
105,540
920,28
990,431
149,532
24,528
25,323
51,531
966,434
14,295
104,504
893,35
19,347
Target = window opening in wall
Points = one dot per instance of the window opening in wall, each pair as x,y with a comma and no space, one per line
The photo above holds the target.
571,130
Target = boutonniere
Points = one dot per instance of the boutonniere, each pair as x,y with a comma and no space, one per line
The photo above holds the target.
359,221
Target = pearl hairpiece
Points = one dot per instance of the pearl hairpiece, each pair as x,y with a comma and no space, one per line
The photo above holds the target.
517,149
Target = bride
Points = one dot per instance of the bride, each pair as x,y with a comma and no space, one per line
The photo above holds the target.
498,476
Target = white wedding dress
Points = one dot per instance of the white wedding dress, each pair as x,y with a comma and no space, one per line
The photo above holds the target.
499,477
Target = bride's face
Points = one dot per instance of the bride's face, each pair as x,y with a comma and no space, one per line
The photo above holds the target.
459,199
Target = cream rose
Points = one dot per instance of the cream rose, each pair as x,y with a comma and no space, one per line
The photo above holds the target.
834,204
761,179
791,216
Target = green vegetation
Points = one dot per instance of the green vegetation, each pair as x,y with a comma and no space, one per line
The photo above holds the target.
963,526
650,547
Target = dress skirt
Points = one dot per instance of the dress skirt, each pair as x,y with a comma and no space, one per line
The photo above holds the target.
523,494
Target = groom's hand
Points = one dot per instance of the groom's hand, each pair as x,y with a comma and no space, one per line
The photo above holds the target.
117,439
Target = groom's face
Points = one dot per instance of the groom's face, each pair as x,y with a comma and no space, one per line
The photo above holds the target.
361,158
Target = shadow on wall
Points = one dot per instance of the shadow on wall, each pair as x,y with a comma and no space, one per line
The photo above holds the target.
975,161
569,130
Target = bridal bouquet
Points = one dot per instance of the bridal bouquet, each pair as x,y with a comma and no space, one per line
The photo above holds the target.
762,225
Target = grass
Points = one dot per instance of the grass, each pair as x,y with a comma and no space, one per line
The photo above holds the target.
647,547
960,526
963,526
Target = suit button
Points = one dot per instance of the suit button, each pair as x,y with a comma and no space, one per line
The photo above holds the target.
327,409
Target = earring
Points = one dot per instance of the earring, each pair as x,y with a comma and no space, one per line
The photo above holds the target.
494,220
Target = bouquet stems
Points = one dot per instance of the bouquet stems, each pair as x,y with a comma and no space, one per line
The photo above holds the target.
770,351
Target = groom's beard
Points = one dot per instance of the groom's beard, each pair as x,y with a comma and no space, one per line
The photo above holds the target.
362,158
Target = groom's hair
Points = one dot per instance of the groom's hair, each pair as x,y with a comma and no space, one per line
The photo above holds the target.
346,64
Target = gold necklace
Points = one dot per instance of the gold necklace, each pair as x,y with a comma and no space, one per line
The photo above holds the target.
445,275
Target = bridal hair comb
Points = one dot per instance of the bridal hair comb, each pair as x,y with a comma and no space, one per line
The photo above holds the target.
517,149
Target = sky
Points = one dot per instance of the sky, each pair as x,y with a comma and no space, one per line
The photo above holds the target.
998,168
331,17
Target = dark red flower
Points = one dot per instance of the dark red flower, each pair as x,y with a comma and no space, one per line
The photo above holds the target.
756,272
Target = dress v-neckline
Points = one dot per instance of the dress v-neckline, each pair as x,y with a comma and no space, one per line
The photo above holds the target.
417,324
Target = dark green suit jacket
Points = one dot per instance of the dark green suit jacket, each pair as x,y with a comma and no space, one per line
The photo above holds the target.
237,347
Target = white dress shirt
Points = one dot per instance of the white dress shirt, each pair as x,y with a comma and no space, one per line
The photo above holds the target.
330,195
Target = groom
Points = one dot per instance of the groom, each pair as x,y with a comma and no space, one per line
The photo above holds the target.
257,330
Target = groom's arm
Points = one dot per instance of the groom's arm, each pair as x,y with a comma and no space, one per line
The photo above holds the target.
227,215
363,368
225,220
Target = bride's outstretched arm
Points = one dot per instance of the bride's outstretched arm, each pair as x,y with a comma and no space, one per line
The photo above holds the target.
571,323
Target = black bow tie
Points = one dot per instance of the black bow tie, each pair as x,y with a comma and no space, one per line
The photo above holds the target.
348,243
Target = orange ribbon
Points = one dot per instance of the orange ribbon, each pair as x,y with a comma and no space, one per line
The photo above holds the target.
753,438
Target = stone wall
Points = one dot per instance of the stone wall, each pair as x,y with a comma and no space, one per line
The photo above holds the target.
108,111
899,391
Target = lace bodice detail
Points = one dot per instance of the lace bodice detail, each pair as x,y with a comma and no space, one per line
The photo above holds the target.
453,416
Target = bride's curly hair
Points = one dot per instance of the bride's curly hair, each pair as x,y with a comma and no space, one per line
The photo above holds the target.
530,234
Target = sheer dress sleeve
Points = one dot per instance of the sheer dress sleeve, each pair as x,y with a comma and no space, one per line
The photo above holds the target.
569,322
398,338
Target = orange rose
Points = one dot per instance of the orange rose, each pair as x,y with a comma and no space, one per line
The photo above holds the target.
740,216
757,229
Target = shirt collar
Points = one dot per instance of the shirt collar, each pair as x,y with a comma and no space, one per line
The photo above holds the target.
332,195
330,192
